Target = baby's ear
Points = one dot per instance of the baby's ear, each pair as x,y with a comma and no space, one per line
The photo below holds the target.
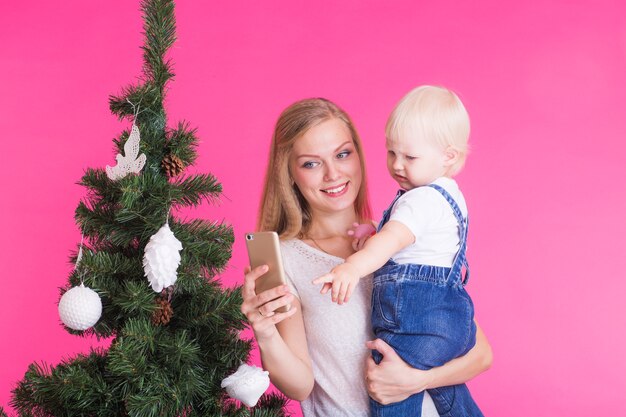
451,156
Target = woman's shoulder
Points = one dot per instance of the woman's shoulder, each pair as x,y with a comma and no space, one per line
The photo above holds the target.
290,248
296,248
298,257
292,252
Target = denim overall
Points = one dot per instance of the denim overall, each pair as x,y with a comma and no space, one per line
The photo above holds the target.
425,314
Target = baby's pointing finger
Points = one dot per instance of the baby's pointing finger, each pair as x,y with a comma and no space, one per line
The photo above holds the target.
323,279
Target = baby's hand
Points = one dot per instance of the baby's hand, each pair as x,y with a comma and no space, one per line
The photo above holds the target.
342,279
361,233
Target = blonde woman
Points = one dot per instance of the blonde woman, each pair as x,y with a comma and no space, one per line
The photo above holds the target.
319,352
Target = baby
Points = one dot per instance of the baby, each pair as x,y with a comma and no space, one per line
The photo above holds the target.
419,303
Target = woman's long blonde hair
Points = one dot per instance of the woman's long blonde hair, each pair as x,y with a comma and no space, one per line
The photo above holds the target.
283,208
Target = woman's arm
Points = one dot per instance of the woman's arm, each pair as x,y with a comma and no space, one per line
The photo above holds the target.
394,380
466,367
280,336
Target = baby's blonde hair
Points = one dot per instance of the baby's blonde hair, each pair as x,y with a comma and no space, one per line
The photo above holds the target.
435,114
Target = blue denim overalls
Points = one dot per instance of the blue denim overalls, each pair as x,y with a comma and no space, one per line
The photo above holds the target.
425,314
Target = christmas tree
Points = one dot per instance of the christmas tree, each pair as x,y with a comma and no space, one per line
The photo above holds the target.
172,345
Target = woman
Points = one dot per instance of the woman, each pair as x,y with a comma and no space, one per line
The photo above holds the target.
318,351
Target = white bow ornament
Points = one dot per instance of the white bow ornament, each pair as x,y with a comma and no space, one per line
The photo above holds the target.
247,384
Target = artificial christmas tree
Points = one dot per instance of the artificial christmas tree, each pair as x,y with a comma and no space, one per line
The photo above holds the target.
169,352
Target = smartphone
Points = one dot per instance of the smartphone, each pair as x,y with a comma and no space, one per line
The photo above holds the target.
264,249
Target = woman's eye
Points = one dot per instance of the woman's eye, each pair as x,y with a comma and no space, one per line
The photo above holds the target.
343,155
309,164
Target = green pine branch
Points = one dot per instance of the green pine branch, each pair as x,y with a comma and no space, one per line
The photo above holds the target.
194,189
183,143
136,206
271,405
76,387
206,243
146,100
160,34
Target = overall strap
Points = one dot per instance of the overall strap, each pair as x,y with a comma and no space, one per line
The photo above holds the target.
387,213
460,260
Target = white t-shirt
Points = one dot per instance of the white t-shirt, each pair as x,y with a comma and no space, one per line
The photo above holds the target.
336,336
430,218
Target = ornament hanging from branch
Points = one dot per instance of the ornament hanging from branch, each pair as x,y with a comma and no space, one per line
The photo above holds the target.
80,307
161,258
130,162
247,384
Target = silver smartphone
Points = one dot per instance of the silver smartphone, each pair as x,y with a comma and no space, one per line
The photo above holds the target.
264,249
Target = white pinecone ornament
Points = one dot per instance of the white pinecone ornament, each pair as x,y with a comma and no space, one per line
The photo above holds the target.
161,258
247,384
80,308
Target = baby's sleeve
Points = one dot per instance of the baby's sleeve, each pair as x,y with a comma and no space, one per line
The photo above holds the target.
415,209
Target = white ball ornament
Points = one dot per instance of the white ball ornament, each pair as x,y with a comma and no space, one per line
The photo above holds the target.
247,384
80,308
161,258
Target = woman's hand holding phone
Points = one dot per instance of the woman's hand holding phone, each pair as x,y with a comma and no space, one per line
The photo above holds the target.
260,309
264,249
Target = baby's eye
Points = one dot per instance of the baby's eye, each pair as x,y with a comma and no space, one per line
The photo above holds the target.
411,158
391,153
343,155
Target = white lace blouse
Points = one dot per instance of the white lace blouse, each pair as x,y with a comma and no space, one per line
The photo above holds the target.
336,336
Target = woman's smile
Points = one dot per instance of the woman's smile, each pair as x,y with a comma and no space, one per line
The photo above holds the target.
337,191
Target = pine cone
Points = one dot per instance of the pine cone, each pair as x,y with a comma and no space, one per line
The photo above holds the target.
172,165
163,313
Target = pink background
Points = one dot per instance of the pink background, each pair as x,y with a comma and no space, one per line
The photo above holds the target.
544,83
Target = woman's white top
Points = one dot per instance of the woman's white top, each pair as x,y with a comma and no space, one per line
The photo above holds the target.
336,336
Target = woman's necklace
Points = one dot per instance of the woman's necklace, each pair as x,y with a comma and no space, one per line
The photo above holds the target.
318,246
